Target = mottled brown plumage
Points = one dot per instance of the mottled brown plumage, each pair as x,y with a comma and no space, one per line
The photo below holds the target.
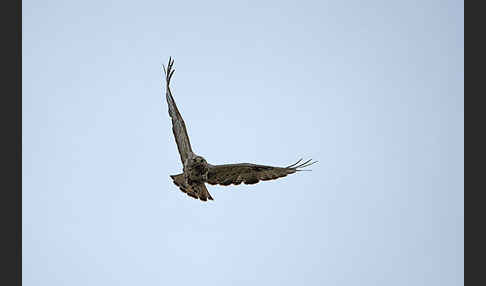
197,172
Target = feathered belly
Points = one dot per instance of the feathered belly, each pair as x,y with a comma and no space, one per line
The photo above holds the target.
196,174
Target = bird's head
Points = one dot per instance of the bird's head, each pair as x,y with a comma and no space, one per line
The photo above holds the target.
200,160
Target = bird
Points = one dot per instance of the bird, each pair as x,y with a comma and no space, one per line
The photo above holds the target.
197,171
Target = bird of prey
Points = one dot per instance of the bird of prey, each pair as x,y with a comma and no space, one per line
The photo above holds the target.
197,171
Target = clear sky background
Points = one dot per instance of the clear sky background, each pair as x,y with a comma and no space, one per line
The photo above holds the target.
371,89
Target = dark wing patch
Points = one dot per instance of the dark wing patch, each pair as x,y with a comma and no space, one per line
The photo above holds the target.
178,125
250,173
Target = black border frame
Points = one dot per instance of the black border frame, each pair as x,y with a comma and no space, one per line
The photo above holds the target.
11,118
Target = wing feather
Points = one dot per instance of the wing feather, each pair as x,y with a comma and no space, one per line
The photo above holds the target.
178,125
250,173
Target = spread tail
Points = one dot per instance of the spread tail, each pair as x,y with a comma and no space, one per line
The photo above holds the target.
202,192
198,191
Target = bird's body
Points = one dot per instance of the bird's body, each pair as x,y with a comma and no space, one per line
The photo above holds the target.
197,171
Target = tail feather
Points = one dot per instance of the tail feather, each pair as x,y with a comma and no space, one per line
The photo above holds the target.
197,191
202,192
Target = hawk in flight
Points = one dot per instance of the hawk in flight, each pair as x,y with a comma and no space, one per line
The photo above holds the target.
197,172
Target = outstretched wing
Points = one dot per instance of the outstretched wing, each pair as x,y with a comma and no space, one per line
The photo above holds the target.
178,125
250,173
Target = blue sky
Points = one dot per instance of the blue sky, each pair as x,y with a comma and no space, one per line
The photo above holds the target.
373,90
